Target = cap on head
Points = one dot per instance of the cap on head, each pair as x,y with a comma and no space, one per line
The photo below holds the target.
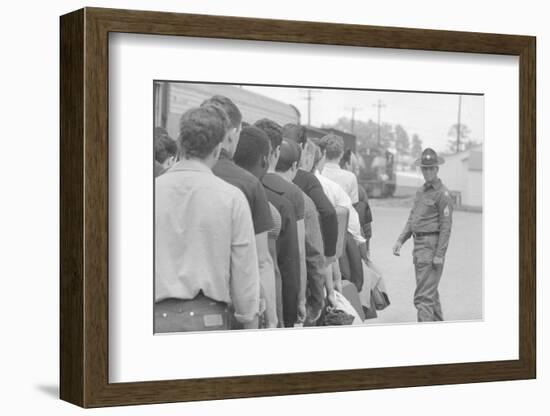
429,158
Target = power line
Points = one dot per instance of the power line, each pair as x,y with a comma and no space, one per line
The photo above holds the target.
309,98
353,110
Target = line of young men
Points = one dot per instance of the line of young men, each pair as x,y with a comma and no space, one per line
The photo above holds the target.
245,223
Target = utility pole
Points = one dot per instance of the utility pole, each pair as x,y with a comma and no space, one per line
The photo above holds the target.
458,124
379,105
353,110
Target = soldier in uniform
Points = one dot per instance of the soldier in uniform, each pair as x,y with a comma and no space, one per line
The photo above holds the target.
429,223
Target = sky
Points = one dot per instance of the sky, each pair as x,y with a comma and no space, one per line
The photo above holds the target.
427,114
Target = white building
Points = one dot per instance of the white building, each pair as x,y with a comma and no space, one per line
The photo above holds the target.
462,173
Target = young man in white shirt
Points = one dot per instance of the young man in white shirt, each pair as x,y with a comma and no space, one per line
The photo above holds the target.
334,150
205,250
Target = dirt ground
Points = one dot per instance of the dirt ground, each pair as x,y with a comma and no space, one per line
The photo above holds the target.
462,281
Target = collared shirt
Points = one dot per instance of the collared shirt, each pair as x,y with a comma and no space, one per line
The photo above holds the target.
250,186
310,185
338,197
344,178
288,190
204,240
432,212
287,256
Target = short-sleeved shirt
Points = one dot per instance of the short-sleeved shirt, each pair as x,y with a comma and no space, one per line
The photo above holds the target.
344,178
287,189
252,189
310,185
338,197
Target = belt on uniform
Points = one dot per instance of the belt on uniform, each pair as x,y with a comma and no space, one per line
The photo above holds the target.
422,234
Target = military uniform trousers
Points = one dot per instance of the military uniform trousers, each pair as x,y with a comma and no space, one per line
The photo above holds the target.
428,275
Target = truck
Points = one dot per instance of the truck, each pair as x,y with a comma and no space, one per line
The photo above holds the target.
377,171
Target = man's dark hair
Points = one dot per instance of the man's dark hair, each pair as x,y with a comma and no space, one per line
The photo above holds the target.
165,147
201,130
295,132
333,146
273,131
253,144
232,111
290,153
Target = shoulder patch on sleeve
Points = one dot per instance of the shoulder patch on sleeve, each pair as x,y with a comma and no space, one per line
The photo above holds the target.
446,211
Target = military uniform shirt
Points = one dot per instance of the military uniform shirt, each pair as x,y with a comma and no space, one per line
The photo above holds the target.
431,212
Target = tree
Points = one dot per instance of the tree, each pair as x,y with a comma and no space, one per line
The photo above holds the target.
367,134
459,134
402,142
416,149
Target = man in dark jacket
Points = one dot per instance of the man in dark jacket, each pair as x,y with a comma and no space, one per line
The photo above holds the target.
310,185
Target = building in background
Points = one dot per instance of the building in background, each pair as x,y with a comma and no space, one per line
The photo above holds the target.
462,173
172,99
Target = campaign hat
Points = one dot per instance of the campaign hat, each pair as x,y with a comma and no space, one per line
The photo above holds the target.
429,158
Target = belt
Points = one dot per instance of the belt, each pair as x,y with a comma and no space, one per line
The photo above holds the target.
199,314
422,234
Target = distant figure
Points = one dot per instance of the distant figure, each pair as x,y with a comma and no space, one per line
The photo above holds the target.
165,149
429,223
334,150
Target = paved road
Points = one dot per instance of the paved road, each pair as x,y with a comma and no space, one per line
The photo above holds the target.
461,284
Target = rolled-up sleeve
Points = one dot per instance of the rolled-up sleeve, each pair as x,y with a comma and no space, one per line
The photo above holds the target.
245,277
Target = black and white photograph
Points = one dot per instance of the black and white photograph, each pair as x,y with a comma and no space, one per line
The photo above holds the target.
279,207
